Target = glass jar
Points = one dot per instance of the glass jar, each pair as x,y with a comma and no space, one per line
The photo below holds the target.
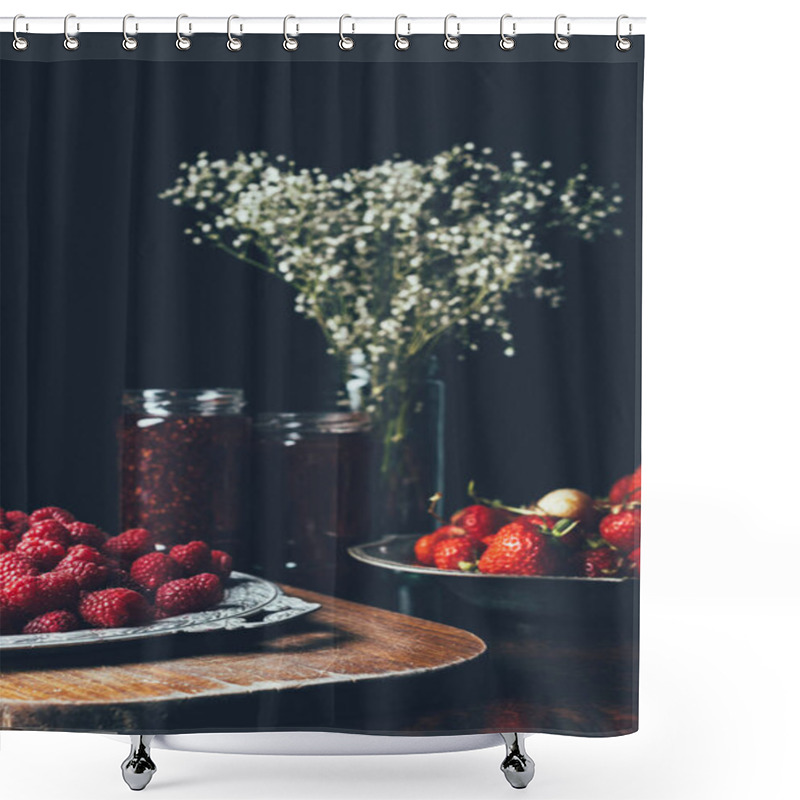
312,487
185,463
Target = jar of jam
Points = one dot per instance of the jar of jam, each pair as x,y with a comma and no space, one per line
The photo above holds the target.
185,460
312,490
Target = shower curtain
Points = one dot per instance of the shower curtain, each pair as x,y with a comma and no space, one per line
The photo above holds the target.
319,400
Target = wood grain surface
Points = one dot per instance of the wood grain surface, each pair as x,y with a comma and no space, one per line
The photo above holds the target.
177,683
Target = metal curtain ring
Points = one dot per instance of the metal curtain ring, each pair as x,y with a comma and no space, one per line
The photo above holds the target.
182,42
451,42
289,43
70,42
401,42
560,42
129,42
346,42
20,43
233,44
507,42
623,44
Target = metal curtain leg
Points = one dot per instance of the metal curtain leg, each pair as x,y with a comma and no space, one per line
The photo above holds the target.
517,766
138,768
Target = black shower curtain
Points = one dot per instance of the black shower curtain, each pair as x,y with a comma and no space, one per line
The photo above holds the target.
102,291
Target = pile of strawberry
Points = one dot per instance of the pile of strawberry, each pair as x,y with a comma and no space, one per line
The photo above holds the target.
565,533
58,574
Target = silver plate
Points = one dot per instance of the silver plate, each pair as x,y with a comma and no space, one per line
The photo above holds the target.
246,596
397,553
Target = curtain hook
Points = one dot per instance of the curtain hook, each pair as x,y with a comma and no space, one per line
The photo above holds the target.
70,42
451,42
346,42
182,42
623,44
20,43
129,42
233,44
401,42
507,42
560,42
290,43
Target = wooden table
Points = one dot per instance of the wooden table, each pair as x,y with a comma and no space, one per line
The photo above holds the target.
304,674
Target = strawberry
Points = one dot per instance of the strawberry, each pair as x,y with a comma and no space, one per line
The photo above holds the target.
114,608
3,549
601,562
50,529
154,569
8,538
221,564
88,574
454,551
479,521
519,549
60,589
634,560
130,544
85,533
59,621
186,595
44,553
423,549
51,512
13,565
16,521
621,530
619,491
194,557
627,489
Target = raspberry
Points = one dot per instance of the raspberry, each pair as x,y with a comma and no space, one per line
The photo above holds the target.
186,595
211,587
114,608
87,574
130,544
24,595
84,533
53,622
83,552
13,565
60,589
52,512
44,553
154,569
11,621
194,557
221,564
8,538
16,521
50,529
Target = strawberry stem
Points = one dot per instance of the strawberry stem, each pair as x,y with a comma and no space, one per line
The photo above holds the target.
497,503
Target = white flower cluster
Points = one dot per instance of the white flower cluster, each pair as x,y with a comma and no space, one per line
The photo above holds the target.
389,259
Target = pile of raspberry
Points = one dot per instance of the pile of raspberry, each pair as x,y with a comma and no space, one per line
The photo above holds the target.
58,574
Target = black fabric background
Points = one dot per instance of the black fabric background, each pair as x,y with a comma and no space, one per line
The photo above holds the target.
101,290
